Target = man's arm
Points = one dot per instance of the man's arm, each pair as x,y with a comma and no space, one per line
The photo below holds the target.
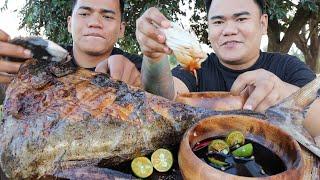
156,73
157,79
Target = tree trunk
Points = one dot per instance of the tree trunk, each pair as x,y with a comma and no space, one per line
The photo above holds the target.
317,59
298,22
291,33
311,51
274,35
317,69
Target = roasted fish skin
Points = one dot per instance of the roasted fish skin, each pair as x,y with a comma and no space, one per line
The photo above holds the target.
85,116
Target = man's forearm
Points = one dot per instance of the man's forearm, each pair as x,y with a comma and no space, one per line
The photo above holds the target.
157,78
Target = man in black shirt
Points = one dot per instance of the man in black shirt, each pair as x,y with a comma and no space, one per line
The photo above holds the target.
238,65
95,27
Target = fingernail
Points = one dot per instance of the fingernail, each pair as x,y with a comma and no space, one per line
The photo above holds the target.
247,107
165,24
27,53
166,49
160,38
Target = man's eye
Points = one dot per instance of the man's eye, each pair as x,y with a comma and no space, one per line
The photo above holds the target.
108,17
241,19
83,14
218,22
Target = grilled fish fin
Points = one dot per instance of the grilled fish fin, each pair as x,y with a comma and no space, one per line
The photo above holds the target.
303,137
289,114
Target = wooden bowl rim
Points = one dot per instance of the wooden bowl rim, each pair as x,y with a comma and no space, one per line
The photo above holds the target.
206,94
298,163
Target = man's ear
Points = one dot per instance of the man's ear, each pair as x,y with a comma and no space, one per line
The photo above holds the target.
69,23
122,29
264,24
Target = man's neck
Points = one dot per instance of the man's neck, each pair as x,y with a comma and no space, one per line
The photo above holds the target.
242,65
88,61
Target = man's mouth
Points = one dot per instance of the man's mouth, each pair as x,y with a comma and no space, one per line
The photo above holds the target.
94,35
230,43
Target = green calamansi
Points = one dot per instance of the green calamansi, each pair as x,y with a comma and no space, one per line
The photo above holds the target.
142,167
162,160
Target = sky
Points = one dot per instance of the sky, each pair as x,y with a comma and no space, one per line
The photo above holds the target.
9,20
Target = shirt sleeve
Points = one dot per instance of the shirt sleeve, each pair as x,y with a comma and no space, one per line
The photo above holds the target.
298,73
186,77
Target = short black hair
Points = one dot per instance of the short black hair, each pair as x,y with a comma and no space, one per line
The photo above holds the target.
74,2
260,3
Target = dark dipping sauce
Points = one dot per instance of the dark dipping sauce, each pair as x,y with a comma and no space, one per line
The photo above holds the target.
263,158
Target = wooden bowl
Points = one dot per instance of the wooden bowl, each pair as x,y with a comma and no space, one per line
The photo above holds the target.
220,101
260,131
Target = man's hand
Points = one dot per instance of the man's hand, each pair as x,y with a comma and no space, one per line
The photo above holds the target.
10,50
263,88
120,68
151,39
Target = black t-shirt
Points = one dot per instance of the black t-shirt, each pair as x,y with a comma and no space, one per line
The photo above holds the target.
135,59
213,76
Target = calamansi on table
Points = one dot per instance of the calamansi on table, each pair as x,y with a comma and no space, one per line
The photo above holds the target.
142,167
161,160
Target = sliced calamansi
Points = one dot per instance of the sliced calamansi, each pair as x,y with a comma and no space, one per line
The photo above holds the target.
162,160
219,145
217,162
243,151
142,167
235,138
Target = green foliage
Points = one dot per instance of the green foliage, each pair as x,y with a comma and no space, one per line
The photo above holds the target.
278,9
310,4
47,16
50,17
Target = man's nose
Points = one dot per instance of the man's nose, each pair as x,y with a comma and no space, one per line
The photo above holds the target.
95,21
230,28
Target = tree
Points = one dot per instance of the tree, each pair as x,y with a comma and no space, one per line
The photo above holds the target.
299,24
288,22
50,17
308,41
